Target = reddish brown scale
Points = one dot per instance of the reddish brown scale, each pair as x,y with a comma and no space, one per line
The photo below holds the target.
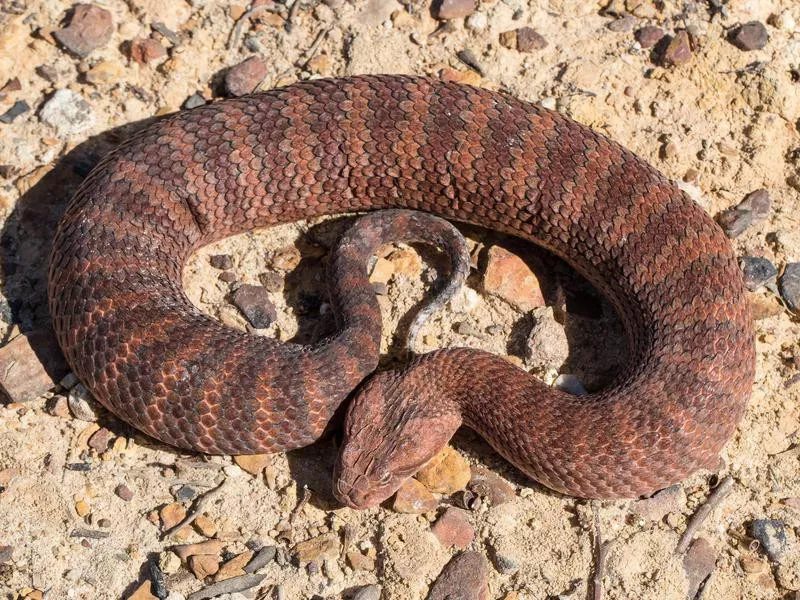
333,146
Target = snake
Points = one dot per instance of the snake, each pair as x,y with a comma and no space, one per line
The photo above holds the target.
412,146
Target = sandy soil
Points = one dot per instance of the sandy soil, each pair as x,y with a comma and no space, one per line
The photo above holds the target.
724,124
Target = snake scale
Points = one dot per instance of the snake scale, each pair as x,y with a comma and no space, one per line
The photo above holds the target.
375,142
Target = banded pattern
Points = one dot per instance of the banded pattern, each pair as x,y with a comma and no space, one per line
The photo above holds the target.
372,142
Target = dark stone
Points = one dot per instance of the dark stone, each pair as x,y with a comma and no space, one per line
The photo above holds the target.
790,286
221,261
254,302
649,36
19,107
770,533
463,578
245,77
261,559
752,210
757,271
679,50
529,39
271,280
454,9
124,492
194,101
698,564
750,36
503,564
168,34
47,72
89,28
185,493
227,277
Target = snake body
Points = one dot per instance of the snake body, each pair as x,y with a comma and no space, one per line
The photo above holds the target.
375,142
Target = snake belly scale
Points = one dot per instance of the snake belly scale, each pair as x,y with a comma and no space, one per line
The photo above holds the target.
376,142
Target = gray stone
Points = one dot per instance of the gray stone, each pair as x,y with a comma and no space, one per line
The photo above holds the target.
790,286
20,107
770,533
68,113
698,564
368,592
750,36
757,271
752,210
90,27
254,302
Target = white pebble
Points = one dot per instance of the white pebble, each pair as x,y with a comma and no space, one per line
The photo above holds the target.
570,384
81,404
477,21
465,300
548,103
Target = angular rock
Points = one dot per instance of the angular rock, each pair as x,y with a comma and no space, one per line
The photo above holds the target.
211,547
271,280
679,50
143,592
223,262
105,72
205,526
625,23
252,463
750,36
757,271
453,529
245,77
491,486
698,564
771,534
657,506
547,343
310,550
649,36
89,28
68,113
171,515
194,101
508,277
454,9
445,473
203,565
790,286
360,561
753,210
465,577
20,107
234,567
414,498
100,440
145,50
254,302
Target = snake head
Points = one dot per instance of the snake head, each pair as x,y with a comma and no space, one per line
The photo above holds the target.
390,432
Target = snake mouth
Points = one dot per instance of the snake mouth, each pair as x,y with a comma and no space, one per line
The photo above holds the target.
357,493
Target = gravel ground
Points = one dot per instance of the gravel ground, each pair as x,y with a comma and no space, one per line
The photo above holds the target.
707,91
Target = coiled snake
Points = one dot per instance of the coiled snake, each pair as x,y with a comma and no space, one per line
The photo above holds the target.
376,142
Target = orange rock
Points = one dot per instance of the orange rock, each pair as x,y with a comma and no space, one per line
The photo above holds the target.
252,463
143,592
235,566
414,498
508,277
171,515
205,526
203,565
208,547
445,473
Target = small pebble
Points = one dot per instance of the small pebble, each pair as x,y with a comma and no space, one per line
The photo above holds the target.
203,565
68,113
262,558
105,72
314,548
124,492
477,22
454,9
445,473
679,50
663,502
758,271
453,529
90,28
194,101
414,498
271,281
145,50
245,77
223,262
649,36
504,564
6,553
368,592
360,561
508,277
771,534
754,209
228,277
254,302
567,382
212,547
252,463
100,440
169,562
750,36
20,107
234,567
81,404
171,515
465,577
286,259
489,485
698,563
790,286
626,23
143,592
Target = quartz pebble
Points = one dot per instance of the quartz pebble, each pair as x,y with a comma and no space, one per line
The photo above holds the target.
245,77
90,28
465,577
68,113
453,529
750,36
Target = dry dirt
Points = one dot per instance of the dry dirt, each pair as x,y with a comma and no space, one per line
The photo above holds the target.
727,121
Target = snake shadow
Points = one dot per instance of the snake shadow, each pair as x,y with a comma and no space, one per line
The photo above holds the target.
26,241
